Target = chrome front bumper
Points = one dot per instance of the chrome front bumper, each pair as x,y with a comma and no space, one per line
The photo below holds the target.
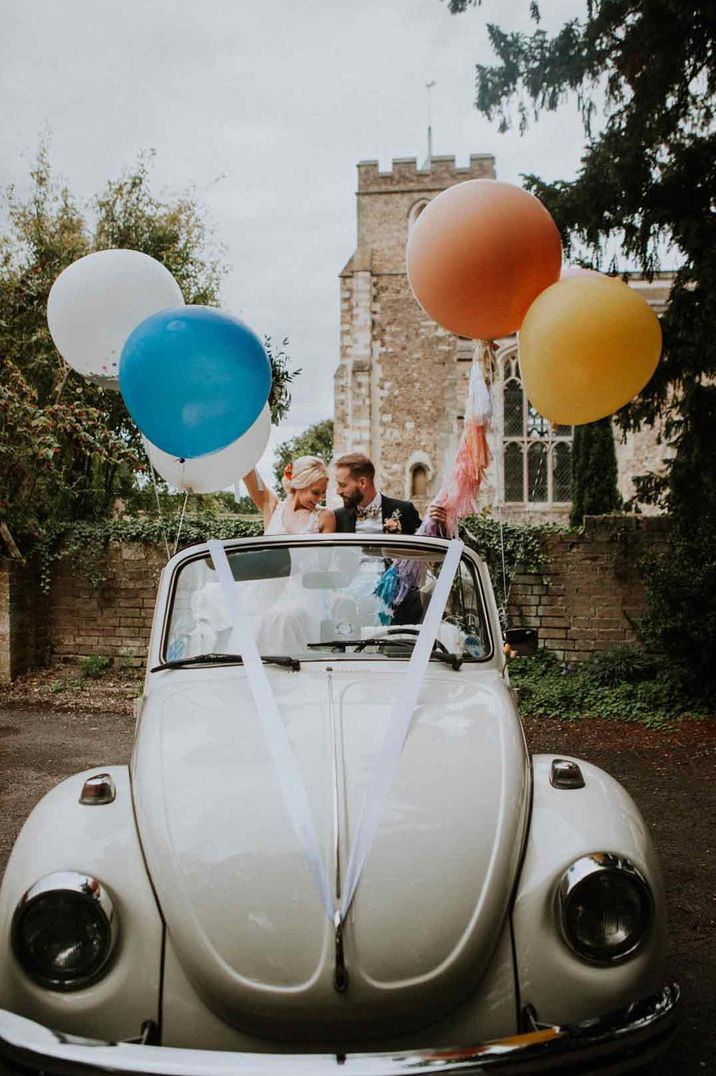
612,1043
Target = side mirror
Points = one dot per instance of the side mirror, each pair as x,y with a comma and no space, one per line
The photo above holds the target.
523,641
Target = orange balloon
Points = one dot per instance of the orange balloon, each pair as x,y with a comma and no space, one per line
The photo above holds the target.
588,345
479,254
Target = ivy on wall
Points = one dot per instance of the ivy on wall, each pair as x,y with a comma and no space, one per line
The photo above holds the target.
88,541
509,549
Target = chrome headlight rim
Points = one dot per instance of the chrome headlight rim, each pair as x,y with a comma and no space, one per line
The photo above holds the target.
587,867
82,886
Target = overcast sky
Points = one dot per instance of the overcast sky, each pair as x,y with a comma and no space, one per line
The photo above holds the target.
264,107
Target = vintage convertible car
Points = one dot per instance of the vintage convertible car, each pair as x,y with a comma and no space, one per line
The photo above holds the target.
331,851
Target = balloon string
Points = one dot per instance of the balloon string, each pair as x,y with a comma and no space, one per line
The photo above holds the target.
62,385
505,593
181,522
159,506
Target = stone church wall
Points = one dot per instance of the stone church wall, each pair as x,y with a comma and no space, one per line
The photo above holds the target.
401,382
396,386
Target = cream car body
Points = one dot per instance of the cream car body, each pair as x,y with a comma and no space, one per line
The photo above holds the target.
223,952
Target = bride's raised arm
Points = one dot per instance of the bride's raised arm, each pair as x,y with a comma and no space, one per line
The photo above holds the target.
264,498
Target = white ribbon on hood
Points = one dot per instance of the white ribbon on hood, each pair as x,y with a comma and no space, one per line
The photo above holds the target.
292,787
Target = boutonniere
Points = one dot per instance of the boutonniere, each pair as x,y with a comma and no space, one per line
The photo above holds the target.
393,525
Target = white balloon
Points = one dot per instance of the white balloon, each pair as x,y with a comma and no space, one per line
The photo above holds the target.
96,302
217,470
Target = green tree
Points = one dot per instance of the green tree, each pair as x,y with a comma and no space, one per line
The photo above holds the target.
317,440
67,447
594,472
647,183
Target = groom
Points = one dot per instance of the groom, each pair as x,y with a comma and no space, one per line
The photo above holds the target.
368,511
365,509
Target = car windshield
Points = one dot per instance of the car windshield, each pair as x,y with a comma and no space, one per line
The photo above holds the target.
313,601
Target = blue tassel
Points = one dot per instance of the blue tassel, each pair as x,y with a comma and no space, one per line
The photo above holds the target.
385,591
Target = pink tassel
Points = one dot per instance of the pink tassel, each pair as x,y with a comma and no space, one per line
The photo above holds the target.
461,488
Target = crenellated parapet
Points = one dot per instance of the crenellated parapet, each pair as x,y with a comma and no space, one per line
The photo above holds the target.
437,173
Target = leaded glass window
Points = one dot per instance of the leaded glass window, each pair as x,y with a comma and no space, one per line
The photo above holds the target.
536,456
537,484
562,471
514,407
514,473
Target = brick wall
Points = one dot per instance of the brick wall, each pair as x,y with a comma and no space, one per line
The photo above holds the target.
582,603
115,622
24,635
585,600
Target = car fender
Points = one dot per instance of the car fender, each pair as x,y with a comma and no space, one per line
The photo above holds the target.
61,834
565,825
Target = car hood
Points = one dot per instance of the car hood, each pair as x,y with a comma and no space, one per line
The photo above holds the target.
239,901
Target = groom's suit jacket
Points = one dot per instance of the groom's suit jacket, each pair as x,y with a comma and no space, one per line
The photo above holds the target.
410,609
409,518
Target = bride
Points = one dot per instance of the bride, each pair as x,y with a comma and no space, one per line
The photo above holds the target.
284,614
305,482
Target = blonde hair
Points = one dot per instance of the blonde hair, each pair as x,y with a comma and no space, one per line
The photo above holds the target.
303,472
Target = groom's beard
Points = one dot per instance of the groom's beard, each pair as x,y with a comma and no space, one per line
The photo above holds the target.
351,500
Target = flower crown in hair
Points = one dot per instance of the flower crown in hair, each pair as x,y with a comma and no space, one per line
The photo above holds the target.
288,472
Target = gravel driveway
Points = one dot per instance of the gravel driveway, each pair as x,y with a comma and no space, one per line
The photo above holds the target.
669,774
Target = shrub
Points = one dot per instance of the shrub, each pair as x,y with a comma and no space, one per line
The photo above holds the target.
94,666
680,622
624,684
621,665
594,472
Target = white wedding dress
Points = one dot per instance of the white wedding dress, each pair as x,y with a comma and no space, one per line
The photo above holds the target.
279,525
284,615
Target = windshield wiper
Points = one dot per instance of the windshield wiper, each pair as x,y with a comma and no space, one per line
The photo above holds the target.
333,644
439,651
235,659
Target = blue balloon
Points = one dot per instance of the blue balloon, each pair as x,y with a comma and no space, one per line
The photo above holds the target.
194,379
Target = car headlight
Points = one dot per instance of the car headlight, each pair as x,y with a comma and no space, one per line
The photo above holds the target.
64,930
604,907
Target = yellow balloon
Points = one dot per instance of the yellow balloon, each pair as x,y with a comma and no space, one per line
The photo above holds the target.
588,345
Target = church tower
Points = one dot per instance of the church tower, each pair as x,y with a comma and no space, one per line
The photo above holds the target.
401,382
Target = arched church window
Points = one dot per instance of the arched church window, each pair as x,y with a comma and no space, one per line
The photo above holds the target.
419,481
537,473
415,211
536,456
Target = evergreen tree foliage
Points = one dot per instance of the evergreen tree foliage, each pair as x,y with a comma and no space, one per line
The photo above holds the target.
594,472
647,183
317,440
647,179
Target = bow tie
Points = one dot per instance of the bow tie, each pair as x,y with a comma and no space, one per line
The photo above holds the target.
370,512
